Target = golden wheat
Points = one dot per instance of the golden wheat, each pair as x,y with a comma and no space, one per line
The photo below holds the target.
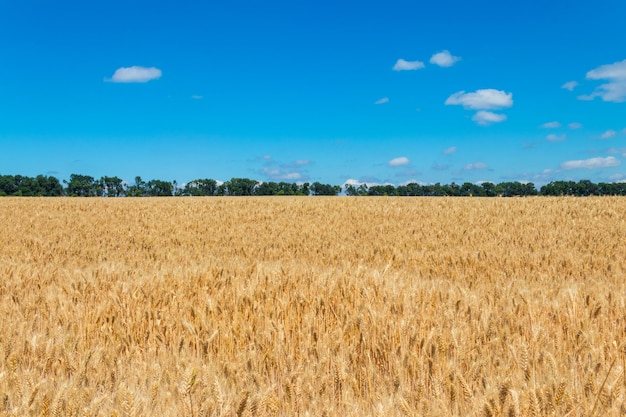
312,306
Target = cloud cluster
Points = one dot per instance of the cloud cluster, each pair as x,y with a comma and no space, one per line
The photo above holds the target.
485,118
591,163
444,59
570,85
608,134
292,171
556,138
483,100
402,65
278,174
135,74
476,166
488,99
614,90
398,162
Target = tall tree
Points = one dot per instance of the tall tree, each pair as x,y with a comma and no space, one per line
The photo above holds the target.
81,186
200,187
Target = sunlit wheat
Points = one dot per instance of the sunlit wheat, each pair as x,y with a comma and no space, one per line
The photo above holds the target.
312,306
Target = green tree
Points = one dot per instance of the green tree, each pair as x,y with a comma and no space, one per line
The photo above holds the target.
138,189
489,189
239,187
318,188
304,189
200,187
113,186
158,188
267,188
81,186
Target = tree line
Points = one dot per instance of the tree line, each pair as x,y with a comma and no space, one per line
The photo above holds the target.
88,186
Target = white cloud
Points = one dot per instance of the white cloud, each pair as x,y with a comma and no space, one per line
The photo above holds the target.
402,65
408,173
617,177
616,70
486,117
615,89
352,181
440,167
398,162
556,138
551,125
382,100
196,97
591,163
373,182
621,151
274,173
570,85
475,166
450,150
487,99
444,59
608,134
301,162
574,125
135,74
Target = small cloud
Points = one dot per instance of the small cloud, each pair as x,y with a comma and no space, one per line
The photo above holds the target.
352,181
556,138
570,85
586,97
592,163
197,97
398,162
476,166
551,125
608,134
367,181
135,74
382,100
440,167
487,99
617,177
615,89
574,125
408,173
450,150
444,59
402,65
274,174
301,162
485,118
621,151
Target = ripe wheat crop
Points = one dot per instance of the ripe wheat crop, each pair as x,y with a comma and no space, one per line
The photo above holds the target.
312,307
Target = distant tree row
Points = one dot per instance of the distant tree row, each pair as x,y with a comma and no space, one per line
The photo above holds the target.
488,189
87,186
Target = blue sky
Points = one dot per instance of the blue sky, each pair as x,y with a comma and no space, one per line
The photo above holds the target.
329,91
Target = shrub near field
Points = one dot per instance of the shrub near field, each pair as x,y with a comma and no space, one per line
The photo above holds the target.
312,306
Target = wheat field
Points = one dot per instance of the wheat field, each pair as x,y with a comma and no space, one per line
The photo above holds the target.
299,306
